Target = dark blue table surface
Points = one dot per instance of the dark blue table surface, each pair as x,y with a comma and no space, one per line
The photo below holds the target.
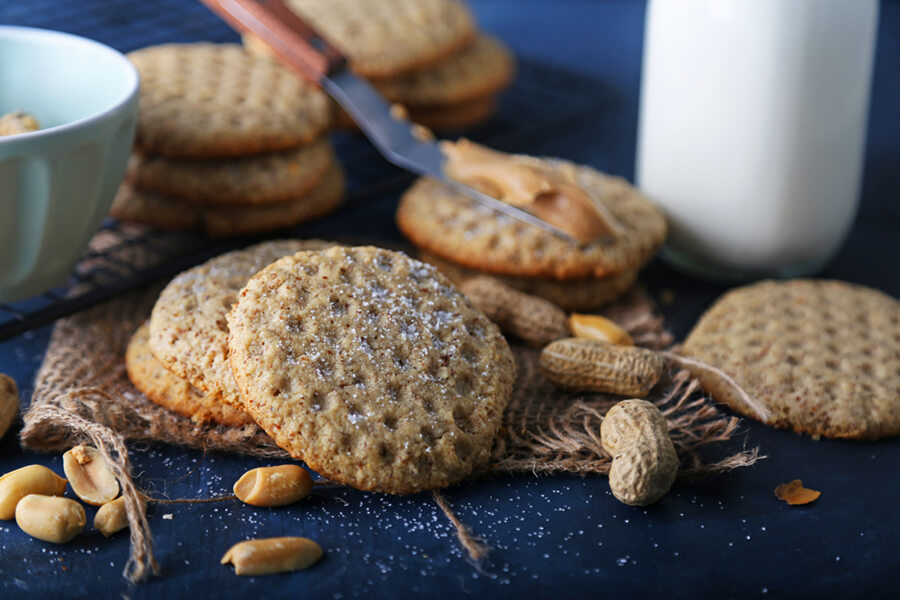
726,536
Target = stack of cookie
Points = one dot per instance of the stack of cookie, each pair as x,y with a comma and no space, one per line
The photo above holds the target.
426,55
464,238
227,143
364,363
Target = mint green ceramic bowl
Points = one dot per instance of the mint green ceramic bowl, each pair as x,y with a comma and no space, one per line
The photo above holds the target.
57,184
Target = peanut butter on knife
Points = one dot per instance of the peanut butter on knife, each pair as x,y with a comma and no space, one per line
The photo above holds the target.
550,194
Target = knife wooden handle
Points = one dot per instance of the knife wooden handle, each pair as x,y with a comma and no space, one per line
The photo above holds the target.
297,44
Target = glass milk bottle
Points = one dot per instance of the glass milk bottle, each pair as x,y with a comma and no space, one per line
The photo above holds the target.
752,129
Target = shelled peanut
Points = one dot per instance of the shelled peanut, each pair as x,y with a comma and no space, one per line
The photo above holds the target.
33,496
273,486
33,479
645,464
50,518
272,555
89,475
595,327
113,516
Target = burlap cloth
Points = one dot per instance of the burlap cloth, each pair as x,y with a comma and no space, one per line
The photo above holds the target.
82,393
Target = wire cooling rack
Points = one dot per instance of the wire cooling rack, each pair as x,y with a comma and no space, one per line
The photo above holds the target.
543,104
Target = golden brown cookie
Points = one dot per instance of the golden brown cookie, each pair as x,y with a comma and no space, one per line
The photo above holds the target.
478,71
167,212
214,100
188,332
454,117
449,225
166,389
822,356
571,295
383,38
258,179
371,367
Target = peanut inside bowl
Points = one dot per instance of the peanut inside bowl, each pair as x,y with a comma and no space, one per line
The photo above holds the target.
57,182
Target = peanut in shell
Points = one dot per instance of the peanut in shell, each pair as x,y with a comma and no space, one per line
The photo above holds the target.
534,320
587,365
644,466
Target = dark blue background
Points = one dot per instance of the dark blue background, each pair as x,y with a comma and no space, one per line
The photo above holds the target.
726,536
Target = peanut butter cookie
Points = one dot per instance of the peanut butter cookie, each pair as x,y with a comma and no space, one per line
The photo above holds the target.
478,71
822,356
166,389
371,367
188,331
445,223
570,295
383,38
169,212
214,100
252,180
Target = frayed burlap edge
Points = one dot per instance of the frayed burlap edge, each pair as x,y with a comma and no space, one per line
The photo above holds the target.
82,391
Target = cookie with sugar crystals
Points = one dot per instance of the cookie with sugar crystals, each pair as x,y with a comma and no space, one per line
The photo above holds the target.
188,330
251,180
166,389
207,100
169,212
383,38
371,367
445,223
822,356
570,295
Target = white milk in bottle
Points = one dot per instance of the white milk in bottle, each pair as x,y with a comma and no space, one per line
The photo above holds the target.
752,129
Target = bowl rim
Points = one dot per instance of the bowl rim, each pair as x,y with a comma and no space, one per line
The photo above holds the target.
133,85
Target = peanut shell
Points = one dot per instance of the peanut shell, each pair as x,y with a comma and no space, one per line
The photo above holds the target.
594,366
644,466
533,320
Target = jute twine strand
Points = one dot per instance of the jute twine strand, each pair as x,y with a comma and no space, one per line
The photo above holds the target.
473,545
753,406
